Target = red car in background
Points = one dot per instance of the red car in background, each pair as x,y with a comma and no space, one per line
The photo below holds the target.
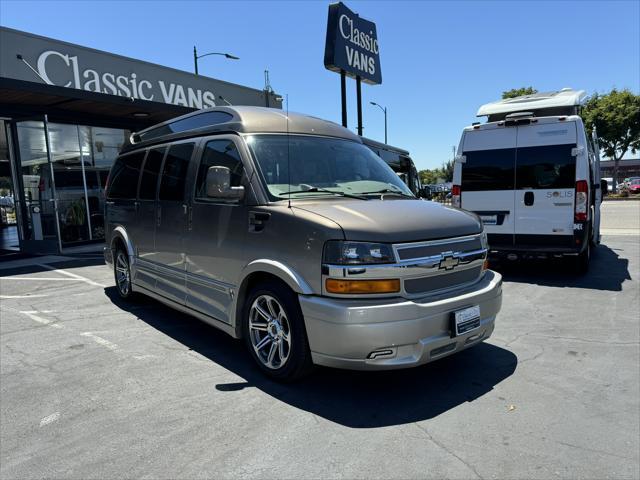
634,186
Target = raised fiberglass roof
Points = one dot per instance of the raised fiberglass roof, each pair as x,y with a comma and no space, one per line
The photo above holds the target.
243,119
566,97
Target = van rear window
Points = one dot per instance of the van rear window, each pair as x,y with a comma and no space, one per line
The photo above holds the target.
550,166
489,170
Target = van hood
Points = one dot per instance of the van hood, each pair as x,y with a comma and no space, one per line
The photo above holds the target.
395,220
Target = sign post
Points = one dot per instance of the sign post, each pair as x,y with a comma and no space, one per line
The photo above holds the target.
352,50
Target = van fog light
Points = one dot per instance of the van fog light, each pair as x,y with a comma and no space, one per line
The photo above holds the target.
334,285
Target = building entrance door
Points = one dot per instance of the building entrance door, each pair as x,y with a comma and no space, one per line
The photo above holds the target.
35,189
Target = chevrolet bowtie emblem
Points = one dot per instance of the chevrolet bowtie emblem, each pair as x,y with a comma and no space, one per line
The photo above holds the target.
449,262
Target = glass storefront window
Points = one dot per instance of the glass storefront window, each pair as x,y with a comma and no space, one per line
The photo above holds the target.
39,208
81,157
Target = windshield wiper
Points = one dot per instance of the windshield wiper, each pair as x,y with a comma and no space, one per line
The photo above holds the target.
389,190
325,190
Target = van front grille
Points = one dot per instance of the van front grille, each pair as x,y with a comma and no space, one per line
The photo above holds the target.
438,282
429,249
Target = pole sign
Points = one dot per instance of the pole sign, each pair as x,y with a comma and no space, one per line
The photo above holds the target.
352,45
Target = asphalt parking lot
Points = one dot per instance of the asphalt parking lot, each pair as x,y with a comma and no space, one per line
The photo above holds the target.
92,387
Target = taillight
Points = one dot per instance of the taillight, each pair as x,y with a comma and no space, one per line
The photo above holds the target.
456,191
582,201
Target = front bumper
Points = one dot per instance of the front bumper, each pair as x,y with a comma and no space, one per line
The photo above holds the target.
343,333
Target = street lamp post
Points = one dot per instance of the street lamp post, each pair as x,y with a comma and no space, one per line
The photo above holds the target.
196,57
384,109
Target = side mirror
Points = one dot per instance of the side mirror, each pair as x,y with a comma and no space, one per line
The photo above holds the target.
604,187
219,184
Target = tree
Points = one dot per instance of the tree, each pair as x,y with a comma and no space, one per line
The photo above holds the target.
518,92
428,177
447,171
616,118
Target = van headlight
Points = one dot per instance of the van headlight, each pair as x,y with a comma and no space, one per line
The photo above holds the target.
341,252
483,239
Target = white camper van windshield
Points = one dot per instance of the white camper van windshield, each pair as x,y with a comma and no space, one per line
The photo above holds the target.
308,165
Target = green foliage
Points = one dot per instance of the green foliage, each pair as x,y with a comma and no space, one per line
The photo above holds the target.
616,117
437,174
518,92
447,171
428,177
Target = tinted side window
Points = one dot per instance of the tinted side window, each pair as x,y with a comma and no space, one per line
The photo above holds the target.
123,179
219,153
150,173
489,170
175,172
550,166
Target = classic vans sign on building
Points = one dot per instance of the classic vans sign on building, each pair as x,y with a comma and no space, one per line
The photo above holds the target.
352,45
67,65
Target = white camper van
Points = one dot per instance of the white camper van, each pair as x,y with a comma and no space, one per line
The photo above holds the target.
532,174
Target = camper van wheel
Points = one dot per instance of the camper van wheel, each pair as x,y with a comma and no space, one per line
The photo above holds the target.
583,259
274,332
122,274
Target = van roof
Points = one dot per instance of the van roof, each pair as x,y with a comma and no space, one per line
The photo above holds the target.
237,119
566,97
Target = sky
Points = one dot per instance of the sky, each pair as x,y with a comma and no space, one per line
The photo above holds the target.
440,60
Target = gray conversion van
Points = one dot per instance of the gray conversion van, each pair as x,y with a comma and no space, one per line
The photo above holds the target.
286,231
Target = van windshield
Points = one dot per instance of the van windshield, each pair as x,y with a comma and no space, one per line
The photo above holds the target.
308,165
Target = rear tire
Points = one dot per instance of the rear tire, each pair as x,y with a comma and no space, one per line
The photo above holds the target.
582,261
274,332
122,274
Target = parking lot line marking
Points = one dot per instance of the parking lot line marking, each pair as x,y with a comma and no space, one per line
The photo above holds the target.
101,341
54,417
22,296
42,279
72,275
36,318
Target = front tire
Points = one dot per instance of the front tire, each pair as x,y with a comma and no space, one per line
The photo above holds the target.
274,332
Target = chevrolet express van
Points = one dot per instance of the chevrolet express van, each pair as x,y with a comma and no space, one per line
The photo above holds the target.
286,231
532,174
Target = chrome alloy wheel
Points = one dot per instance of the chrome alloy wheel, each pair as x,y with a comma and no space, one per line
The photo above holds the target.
269,331
123,277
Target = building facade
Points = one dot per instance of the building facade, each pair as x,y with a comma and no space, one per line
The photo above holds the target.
65,112
627,167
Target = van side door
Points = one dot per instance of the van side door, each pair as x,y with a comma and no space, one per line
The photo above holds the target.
217,231
545,183
487,180
121,194
171,222
145,228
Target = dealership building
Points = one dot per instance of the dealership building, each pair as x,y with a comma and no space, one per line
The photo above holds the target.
65,112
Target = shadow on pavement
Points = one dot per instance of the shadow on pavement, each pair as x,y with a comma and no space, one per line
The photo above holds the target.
353,399
607,271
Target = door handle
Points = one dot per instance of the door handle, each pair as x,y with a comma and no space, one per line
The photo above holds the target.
257,221
158,216
528,198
